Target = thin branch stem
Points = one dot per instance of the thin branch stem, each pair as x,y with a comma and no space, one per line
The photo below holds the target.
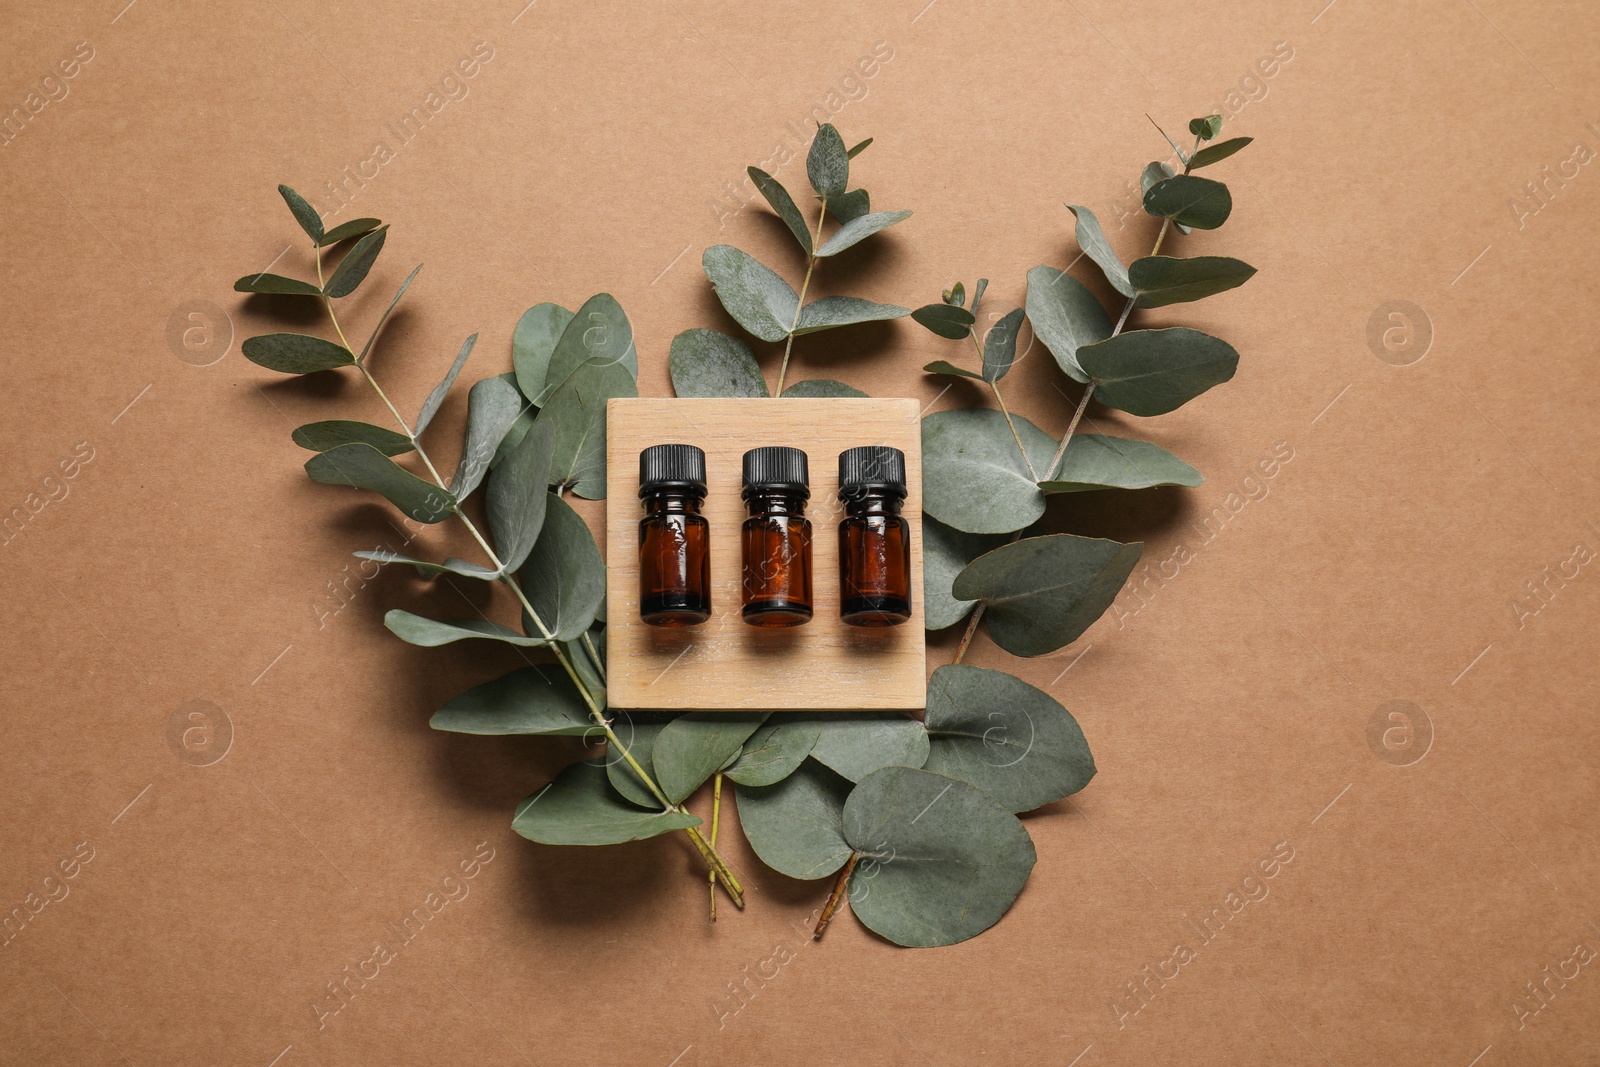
811,264
708,852
840,888
716,813
972,333
972,628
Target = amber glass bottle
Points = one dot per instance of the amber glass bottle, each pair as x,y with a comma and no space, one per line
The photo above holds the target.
674,541
777,537
874,541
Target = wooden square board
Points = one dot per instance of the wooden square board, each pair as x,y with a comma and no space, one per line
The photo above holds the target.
725,663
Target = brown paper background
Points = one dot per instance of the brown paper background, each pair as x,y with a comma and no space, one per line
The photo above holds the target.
190,558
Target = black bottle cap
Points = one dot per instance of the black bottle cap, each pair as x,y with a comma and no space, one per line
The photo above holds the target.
776,467
872,467
672,466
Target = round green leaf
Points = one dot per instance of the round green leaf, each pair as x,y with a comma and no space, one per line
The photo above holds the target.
321,436
1011,740
1207,127
833,311
1152,372
296,353
1065,316
946,320
1043,592
1095,461
941,861
857,743
796,826
533,700
1198,202
758,299
533,342
598,336
945,553
710,363
1163,280
580,808
973,477
821,387
828,164
694,746
850,206
564,578
775,751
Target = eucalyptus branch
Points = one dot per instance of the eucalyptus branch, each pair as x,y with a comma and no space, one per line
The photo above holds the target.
841,886
718,866
995,388
799,305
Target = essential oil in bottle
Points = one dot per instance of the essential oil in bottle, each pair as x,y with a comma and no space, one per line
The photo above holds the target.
777,537
874,541
674,540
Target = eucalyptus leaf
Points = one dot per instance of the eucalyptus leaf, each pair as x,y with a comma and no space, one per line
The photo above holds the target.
1094,244
797,825
1152,372
944,366
516,497
1000,346
384,318
1153,173
775,751
833,311
956,295
1207,127
353,268
519,429
532,700
599,335
589,665
492,406
1065,316
533,342
304,213
275,284
321,436
427,569
859,229
1011,740
973,477
346,230
1163,280
1042,593
1095,461
821,387
946,320
1216,153
942,860
977,294
857,743
945,552
783,204
360,465
564,577
859,148
576,415
1197,202
638,734
579,807
695,746
710,363
828,164
430,406
850,206
296,353
431,633
758,299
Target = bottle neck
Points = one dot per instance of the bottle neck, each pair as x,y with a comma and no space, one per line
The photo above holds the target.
776,501
671,500
873,500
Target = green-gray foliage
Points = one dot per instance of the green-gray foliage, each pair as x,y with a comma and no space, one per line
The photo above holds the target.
796,825
710,363
774,752
361,466
579,807
945,553
973,477
857,743
1163,280
564,577
532,700
1152,372
321,436
1041,593
1065,316
1096,461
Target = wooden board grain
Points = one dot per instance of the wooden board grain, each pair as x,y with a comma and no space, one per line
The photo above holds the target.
726,664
